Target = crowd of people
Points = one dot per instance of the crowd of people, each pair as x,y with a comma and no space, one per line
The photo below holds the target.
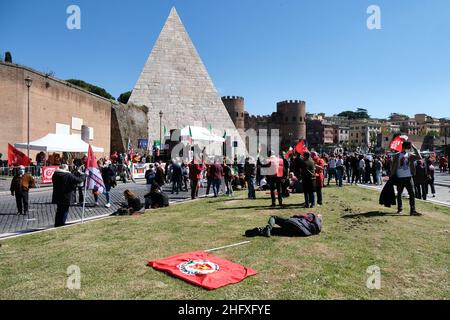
306,173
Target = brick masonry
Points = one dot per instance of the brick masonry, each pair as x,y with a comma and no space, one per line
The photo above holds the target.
51,101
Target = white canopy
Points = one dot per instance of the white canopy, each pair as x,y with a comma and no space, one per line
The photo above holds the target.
201,134
59,143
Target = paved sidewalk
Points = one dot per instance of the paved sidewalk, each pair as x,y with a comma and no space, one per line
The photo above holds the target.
442,179
42,211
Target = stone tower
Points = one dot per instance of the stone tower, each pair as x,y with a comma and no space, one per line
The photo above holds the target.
292,115
235,108
175,81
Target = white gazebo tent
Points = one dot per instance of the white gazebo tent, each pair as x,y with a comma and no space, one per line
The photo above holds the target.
203,138
59,143
200,134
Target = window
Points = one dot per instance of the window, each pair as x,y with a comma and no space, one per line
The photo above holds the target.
237,114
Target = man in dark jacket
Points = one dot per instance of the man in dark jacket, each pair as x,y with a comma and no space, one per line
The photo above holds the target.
176,177
403,171
308,174
109,178
20,184
64,183
296,226
250,174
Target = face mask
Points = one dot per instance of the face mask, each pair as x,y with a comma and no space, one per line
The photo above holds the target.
21,172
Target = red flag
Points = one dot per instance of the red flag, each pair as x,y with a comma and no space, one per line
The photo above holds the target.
16,157
203,269
300,147
95,180
397,144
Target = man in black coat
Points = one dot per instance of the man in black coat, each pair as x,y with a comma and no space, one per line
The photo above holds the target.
64,183
296,226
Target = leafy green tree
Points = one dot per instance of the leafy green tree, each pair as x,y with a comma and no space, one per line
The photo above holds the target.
433,133
124,97
91,88
360,113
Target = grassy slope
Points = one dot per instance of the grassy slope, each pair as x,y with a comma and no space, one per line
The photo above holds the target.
413,253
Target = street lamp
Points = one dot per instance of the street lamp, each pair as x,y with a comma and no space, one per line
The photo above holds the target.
28,83
160,136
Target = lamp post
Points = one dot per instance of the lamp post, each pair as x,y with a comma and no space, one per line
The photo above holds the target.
160,135
28,83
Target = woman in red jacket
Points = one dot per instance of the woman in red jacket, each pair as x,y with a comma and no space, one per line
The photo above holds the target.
320,164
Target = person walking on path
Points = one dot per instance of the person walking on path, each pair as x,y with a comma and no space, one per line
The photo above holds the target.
176,177
20,185
109,181
403,171
430,178
216,175
63,185
195,175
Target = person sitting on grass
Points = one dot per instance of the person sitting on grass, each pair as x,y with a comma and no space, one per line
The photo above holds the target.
132,206
296,226
156,198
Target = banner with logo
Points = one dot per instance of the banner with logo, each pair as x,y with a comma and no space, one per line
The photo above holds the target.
203,269
47,174
139,169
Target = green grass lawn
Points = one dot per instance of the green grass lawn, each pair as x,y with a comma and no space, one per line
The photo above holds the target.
412,252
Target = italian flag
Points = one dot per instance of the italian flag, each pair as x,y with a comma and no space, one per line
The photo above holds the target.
190,135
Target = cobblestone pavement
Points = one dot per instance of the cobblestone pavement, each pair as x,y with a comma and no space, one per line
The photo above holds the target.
42,211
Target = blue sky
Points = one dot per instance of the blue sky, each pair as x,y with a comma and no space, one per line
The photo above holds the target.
319,51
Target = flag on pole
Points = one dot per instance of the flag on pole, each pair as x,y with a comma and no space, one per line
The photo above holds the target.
165,131
94,177
397,143
300,147
203,269
210,128
130,149
16,157
288,154
190,135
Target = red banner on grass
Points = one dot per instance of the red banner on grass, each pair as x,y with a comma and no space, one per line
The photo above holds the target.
47,174
203,269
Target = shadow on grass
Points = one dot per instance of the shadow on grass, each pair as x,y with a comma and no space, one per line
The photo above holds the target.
285,206
372,214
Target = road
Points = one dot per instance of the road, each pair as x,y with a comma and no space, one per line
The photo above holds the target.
42,211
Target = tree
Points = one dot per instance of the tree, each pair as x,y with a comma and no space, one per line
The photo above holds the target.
124,97
360,113
433,133
8,57
91,88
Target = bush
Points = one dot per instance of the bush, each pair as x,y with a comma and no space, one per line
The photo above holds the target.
124,97
8,57
91,88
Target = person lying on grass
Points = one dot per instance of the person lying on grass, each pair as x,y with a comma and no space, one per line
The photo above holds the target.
296,226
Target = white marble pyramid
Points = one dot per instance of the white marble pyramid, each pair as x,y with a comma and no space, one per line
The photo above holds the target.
175,81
